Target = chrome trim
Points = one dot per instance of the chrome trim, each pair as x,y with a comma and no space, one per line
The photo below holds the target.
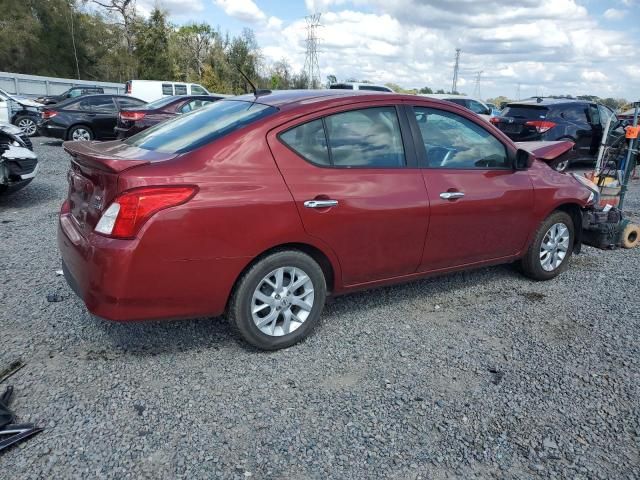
451,195
320,203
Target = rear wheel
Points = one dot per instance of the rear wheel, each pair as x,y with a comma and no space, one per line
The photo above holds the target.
549,253
278,301
80,133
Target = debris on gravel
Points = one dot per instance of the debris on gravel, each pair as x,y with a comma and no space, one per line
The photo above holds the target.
481,374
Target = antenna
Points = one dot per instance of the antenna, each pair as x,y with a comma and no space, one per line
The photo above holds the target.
454,84
256,91
476,88
311,60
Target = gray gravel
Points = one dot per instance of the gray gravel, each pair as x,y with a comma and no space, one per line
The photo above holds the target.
475,375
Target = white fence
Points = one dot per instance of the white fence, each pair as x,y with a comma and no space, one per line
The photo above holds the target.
34,85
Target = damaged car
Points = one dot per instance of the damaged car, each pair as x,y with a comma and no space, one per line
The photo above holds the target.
18,163
260,206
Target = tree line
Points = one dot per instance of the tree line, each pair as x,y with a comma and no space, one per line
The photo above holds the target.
109,40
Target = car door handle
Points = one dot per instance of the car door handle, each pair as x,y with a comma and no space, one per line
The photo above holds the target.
451,195
320,203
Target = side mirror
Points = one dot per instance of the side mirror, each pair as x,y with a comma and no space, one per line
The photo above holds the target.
522,160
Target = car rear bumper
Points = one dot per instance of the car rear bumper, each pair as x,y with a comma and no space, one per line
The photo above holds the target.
47,130
120,280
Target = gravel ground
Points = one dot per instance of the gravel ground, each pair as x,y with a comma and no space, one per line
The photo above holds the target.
474,375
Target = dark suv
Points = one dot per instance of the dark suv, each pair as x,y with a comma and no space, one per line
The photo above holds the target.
71,93
545,119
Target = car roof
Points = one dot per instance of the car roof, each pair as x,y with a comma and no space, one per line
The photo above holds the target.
540,101
99,95
444,96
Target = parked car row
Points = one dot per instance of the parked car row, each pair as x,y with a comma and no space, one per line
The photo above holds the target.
260,206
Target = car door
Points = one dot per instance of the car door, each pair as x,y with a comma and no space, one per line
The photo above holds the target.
596,128
353,176
480,208
104,116
578,127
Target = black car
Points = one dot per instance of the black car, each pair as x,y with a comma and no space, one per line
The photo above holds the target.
134,120
543,119
92,117
73,92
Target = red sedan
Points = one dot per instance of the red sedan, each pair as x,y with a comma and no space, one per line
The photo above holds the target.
259,207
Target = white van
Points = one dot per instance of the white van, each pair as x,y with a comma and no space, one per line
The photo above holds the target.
360,86
151,90
473,104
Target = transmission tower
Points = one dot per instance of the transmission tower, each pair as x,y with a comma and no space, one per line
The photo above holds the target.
311,60
476,87
454,84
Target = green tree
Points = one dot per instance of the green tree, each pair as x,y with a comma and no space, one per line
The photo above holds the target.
331,79
426,90
152,47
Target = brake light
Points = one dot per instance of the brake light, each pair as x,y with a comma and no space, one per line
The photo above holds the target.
494,120
540,125
66,207
48,114
130,210
132,116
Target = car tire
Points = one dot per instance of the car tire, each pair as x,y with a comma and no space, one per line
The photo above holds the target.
80,133
550,251
27,125
560,165
265,312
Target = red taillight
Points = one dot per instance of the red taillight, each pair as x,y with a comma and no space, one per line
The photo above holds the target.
540,125
494,120
129,211
132,116
48,114
65,208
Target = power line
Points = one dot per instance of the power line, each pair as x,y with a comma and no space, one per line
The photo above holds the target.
311,60
454,84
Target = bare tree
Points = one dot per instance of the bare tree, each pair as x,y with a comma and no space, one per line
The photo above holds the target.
127,10
197,40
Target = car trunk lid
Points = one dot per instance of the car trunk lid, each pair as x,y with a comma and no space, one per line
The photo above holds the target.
548,151
93,176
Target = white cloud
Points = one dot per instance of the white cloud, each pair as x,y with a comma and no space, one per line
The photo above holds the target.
274,22
555,46
245,10
614,14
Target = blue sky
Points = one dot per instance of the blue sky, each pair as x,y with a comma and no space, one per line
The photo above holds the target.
545,46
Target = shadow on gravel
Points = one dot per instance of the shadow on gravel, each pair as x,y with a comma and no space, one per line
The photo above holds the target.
30,196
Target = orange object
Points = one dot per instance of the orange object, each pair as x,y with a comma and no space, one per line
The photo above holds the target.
632,132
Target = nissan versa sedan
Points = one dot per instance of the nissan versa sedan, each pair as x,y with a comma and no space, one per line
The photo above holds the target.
258,207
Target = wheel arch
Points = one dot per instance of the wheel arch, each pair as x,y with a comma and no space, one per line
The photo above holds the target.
321,258
574,210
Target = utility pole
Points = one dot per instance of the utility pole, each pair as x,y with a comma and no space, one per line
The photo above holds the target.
476,88
311,60
454,84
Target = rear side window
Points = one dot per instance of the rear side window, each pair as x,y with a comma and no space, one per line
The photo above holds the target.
167,89
452,141
574,113
200,127
366,138
309,141
102,105
341,86
478,108
525,112
459,101
129,102
79,106
373,88
181,89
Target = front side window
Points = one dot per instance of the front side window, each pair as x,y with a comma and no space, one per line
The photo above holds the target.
76,92
605,114
452,141
188,132
576,113
478,108
193,105
594,114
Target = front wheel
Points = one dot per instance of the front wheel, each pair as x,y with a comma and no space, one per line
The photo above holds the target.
549,253
278,301
27,125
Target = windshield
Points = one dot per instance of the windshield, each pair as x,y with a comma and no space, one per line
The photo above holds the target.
204,125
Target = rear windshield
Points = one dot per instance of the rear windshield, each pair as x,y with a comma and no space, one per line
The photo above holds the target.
525,111
204,125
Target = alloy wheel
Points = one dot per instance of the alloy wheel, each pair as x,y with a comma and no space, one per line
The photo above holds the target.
27,126
282,301
81,134
554,247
